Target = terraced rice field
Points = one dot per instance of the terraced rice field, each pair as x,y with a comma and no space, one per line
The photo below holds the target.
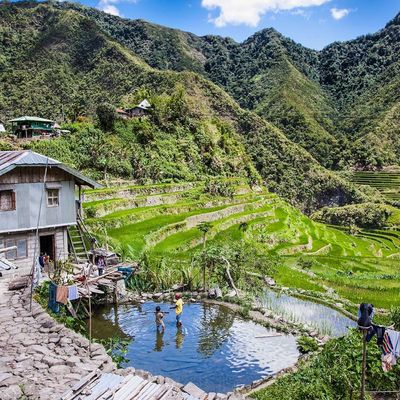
161,222
388,183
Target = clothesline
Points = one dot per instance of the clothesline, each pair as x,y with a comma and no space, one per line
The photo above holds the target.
388,339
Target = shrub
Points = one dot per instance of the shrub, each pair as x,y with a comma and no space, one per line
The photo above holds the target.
395,317
307,344
219,188
366,215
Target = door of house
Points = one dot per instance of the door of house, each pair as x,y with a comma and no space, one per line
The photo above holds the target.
47,245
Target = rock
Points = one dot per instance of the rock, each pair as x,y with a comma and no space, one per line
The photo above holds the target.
194,391
60,370
269,281
52,361
156,296
65,341
12,380
39,349
72,361
4,376
12,392
211,396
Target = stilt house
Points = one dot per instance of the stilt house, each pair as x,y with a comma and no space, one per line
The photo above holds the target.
37,192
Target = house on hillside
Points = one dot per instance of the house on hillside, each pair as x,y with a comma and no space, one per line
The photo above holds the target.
122,113
140,110
2,127
28,203
29,127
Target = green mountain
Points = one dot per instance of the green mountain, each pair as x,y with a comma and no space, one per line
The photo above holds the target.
331,102
55,60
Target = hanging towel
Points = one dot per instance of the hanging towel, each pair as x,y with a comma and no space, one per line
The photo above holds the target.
73,292
52,304
62,294
390,349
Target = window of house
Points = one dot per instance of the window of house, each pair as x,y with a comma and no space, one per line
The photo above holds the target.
7,200
21,250
11,254
52,197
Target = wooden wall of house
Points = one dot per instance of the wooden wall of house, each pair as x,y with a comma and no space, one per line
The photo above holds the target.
34,175
27,184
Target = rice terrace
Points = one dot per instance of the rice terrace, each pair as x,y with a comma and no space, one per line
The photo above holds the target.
200,216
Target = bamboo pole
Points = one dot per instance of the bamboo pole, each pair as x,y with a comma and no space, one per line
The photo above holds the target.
37,234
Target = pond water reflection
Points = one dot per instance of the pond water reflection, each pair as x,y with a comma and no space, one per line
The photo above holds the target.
325,319
215,349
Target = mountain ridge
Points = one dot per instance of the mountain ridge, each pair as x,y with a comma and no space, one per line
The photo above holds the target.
67,62
254,70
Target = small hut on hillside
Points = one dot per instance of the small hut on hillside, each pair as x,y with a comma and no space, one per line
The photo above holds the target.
29,127
140,110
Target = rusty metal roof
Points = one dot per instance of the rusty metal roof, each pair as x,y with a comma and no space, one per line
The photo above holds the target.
28,158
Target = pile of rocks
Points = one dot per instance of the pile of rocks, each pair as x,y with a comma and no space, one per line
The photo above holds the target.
40,358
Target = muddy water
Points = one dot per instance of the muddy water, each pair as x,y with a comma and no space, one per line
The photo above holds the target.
324,319
216,349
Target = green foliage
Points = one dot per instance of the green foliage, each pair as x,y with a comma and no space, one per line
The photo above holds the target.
116,348
334,374
86,58
305,263
106,115
307,344
395,317
366,215
219,188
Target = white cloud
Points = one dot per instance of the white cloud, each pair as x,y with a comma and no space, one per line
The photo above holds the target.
110,6
339,13
249,12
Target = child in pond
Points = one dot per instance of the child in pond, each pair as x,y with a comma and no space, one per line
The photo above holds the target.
159,320
178,309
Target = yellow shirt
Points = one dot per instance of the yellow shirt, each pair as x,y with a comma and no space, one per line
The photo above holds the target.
179,306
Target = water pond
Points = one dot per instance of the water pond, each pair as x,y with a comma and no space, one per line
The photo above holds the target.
216,349
324,319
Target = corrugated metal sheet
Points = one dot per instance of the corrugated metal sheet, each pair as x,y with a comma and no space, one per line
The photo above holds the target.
28,118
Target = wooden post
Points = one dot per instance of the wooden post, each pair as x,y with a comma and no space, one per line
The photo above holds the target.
364,365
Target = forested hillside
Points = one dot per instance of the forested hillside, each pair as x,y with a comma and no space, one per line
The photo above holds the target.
321,100
57,60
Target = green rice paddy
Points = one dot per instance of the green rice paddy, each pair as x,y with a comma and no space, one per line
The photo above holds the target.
321,259
388,183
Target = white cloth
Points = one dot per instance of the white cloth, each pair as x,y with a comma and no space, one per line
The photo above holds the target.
37,274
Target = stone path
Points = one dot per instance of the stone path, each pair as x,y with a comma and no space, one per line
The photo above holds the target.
39,358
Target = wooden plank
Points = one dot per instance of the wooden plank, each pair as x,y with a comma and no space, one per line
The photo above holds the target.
74,391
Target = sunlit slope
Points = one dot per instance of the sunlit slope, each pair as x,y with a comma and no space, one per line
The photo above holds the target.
163,225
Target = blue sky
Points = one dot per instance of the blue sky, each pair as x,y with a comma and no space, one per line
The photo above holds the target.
314,23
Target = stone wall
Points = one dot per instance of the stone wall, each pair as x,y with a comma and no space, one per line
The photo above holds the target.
60,238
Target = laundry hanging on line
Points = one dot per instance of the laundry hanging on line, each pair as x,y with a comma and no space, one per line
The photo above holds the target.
387,339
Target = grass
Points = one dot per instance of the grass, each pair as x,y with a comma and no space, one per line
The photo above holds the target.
360,268
388,183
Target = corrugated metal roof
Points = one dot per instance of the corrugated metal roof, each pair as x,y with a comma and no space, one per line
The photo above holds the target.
28,158
28,118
